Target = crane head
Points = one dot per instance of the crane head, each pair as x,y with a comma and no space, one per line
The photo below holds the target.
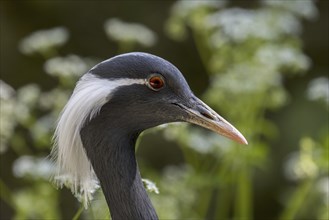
152,91
140,91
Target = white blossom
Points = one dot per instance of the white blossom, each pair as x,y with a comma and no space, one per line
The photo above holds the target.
44,40
318,89
7,106
240,24
254,78
150,186
29,166
303,8
6,91
278,57
129,32
71,65
301,164
323,187
183,8
27,98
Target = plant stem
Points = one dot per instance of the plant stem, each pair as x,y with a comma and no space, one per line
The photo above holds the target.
91,212
224,201
79,212
202,49
5,194
243,204
297,200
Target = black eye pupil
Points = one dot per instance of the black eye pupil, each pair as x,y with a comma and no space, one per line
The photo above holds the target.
156,82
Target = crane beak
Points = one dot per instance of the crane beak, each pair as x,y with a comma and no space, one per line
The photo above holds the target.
202,115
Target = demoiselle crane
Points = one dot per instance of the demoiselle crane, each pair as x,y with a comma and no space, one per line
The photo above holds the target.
94,141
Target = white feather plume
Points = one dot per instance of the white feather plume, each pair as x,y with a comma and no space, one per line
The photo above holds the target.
73,167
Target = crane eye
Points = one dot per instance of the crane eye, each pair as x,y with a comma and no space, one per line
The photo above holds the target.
155,82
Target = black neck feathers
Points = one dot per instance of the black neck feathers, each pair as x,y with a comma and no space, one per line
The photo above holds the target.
110,147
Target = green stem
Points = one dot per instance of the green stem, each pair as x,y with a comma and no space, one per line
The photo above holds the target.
49,53
202,49
79,212
206,197
91,212
296,201
224,200
5,194
243,205
125,46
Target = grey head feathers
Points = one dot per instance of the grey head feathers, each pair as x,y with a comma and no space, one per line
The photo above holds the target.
95,89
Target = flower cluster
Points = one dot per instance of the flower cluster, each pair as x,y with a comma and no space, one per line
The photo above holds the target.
318,89
44,41
123,32
7,109
71,65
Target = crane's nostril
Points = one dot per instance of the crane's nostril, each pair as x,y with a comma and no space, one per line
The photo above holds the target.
207,115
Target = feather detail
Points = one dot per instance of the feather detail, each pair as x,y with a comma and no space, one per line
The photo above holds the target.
74,169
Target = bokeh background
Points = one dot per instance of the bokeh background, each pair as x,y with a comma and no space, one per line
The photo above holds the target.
262,64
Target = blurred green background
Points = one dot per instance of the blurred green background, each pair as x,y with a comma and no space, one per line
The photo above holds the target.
263,65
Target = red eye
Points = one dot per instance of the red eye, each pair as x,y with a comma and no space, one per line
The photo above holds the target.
156,83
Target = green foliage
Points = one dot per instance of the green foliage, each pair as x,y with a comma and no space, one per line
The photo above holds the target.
247,54
38,201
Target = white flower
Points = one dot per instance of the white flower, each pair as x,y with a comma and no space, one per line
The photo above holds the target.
323,187
29,166
42,128
44,40
150,186
240,24
129,32
7,107
304,8
318,89
54,100
255,79
301,164
6,91
26,99
184,7
29,94
71,65
278,57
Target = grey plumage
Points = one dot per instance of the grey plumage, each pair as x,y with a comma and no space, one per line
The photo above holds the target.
109,133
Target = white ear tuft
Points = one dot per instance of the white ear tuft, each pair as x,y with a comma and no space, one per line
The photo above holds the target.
73,167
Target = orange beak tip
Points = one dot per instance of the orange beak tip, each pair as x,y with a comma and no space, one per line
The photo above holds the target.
241,140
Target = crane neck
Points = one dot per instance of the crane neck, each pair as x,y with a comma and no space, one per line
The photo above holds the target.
112,155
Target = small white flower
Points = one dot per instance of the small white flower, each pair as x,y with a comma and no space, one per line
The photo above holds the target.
318,89
42,128
278,57
6,91
323,187
54,100
8,121
150,186
29,166
71,65
256,79
27,98
305,8
183,8
44,40
301,164
240,24
129,32
29,94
